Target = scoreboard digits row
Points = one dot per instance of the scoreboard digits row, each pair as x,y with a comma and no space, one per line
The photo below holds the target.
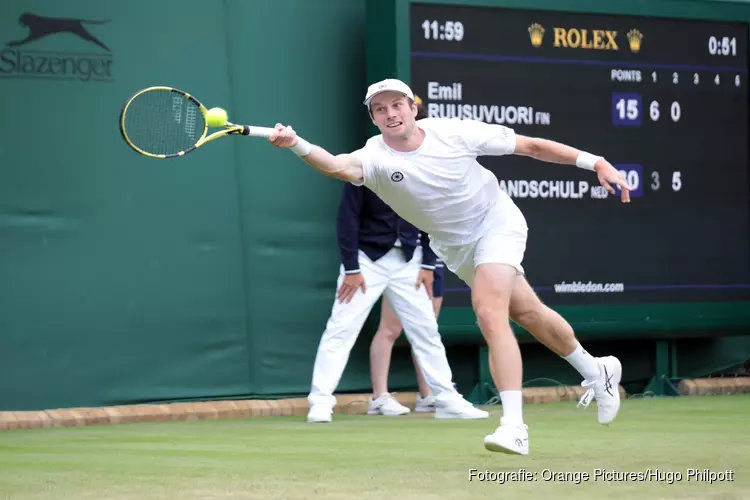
627,109
696,79
653,181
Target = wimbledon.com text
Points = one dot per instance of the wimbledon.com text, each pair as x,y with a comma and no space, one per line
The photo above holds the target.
589,287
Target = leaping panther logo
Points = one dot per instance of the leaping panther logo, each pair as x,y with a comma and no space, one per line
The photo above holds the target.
40,26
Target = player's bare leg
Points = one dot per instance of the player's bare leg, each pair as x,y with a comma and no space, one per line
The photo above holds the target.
601,375
491,293
545,324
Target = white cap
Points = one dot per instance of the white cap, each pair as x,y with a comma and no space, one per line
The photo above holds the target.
387,85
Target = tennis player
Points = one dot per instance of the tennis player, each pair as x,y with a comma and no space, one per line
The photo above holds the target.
429,174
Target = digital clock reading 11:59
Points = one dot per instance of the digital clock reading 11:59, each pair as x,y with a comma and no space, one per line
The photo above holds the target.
450,30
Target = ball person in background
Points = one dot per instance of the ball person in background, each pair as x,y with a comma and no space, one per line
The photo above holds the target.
390,329
427,171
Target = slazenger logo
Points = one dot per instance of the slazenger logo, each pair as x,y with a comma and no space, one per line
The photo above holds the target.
19,59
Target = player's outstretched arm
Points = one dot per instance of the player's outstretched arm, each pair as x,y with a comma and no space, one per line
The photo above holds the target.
345,166
555,152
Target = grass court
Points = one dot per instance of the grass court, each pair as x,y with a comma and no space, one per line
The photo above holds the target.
414,456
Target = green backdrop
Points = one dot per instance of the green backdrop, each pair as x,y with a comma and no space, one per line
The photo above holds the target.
125,279
129,279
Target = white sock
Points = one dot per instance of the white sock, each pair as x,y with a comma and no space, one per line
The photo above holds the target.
584,362
512,402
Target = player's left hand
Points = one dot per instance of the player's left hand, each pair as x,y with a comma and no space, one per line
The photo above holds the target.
426,277
609,175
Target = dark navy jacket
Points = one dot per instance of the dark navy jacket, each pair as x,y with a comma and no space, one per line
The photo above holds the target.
367,223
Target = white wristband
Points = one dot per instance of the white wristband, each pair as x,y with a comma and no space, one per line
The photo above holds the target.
302,148
587,160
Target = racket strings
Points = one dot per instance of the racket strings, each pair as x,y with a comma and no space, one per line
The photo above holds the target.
163,122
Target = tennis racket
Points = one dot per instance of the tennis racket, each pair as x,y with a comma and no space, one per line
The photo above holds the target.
165,122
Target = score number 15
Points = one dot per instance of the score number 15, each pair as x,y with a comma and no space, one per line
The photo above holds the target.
626,109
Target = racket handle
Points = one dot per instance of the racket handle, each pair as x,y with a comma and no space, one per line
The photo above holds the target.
257,131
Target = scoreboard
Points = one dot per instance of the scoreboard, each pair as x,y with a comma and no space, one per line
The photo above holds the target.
663,98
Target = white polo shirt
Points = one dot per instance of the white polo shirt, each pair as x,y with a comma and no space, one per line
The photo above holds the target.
440,188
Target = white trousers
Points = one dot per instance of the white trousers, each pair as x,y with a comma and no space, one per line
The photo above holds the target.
393,276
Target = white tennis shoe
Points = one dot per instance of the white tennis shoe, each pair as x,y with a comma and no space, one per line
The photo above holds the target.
426,404
605,389
459,409
510,438
319,413
387,405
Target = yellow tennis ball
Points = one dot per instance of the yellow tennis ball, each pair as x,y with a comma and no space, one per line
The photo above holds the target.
216,117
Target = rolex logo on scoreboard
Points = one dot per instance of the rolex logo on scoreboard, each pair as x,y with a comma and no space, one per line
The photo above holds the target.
585,38
634,40
536,33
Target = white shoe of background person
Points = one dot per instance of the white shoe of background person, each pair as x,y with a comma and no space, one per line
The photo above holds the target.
460,409
319,413
387,405
425,404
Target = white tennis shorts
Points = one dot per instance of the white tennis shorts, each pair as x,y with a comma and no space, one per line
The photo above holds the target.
503,241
